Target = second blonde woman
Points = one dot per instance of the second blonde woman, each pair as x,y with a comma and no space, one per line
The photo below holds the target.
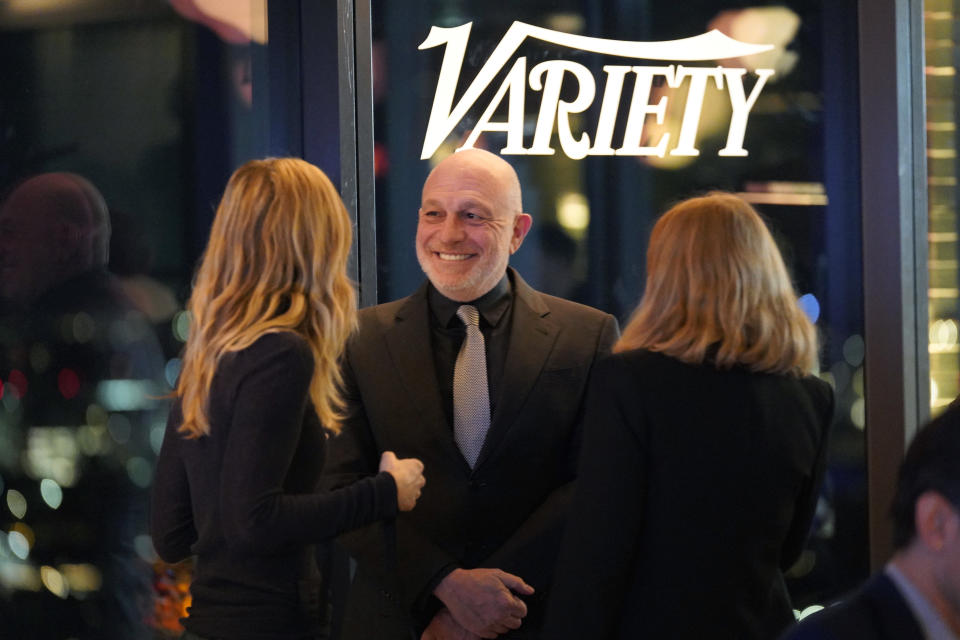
704,447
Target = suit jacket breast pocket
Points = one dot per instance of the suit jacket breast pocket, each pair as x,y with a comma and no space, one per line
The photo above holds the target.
565,379
560,391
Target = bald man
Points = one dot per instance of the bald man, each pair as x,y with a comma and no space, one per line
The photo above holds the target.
68,335
475,558
53,228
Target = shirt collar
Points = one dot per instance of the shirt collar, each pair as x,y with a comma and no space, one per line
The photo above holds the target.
492,305
934,627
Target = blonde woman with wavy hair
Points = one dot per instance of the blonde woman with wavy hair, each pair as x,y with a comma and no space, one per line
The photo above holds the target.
705,444
717,287
237,475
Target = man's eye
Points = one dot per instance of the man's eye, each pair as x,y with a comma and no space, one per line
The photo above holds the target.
473,218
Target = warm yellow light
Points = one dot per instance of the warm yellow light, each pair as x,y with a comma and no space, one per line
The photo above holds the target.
82,577
54,581
573,212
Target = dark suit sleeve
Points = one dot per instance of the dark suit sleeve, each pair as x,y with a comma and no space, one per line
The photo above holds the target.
532,550
171,516
807,500
394,553
597,559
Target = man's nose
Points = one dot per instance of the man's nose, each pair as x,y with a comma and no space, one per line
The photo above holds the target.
453,229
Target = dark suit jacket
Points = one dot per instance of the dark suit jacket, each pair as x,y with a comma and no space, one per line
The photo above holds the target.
508,511
696,488
876,612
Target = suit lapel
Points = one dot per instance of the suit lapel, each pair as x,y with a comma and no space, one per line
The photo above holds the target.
532,336
892,611
407,335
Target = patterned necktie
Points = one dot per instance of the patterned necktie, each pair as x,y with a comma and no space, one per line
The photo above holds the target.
471,398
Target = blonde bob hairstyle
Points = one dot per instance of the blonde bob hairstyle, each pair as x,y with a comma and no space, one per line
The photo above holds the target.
716,282
275,261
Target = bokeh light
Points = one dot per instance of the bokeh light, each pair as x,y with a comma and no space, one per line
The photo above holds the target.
17,383
82,577
181,325
140,471
68,383
573,212
119,427
156,436
51,493
18,544
39,358
853,350
809,610
54,581
810,306
17,504
84,328
858,414
172,370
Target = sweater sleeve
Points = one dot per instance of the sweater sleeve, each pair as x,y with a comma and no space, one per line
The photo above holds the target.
271,396
171,515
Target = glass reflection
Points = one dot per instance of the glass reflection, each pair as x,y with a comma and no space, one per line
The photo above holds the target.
592,215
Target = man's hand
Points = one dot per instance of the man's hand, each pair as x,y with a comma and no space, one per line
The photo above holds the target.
444,627
483,601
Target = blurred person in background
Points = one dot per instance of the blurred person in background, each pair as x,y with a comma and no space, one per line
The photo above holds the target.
54,246
80,372
236,478
917,595
705,439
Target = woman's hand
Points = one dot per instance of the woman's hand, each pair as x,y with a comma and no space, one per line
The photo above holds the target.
408,474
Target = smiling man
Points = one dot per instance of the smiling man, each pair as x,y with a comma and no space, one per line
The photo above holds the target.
482,378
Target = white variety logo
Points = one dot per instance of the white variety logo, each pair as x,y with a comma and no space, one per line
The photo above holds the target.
547,77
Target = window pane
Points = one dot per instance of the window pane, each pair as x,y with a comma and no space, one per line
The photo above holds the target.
569,120
151,105
941,65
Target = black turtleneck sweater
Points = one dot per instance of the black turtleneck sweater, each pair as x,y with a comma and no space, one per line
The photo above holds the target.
244,499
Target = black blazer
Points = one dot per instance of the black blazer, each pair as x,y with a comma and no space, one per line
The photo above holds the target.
696,489
876,612
508,511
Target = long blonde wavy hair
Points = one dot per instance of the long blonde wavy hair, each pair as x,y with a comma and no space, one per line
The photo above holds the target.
716,277
275,261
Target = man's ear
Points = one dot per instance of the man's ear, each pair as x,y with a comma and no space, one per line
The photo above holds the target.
936,520
521,225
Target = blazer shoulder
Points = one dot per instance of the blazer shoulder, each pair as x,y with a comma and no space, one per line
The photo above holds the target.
565,307
645,361
378,316
821,394
876,611
559,308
